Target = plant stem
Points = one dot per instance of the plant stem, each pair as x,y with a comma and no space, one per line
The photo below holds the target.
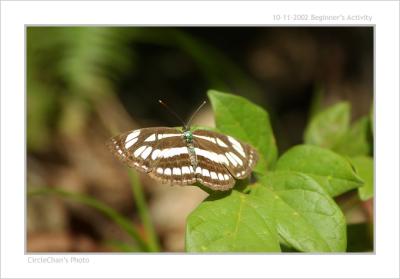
144,214
122,222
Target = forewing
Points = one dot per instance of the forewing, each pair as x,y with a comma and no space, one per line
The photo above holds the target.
137,148
238,157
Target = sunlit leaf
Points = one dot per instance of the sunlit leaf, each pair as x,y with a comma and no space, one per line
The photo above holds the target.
355,141
238,117
365,169
307,218
332,171
234,223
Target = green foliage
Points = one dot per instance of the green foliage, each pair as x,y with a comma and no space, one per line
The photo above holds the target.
246,121
307,217
333,172
365,168
292,201
328,127
355,142
290,208
235,223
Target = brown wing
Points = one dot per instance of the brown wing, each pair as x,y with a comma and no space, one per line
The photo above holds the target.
210,170
137,148
161,152
173,164
238,157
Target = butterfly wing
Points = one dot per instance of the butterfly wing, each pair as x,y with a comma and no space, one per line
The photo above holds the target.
237,157
172,164
210,171
161,152
137,148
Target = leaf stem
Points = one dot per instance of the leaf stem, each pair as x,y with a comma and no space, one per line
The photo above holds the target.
144,214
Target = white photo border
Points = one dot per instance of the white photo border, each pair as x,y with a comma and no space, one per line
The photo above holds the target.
16,15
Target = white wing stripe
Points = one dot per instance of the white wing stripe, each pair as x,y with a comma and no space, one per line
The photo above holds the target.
240,162
167,171
151,138
163,136
176,171
146,152
171,152
223,159
231,159
139,150
132,135
130,143
185,170
156,153
210,139
221,143
208,154
237,146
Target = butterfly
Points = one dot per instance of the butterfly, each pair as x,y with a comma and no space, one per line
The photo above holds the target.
183,157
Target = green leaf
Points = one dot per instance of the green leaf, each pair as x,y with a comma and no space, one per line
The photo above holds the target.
234,223
355,141
333,172
365,169
246,121
328,126
307,218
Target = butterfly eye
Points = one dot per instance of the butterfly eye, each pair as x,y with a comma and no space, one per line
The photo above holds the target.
188,136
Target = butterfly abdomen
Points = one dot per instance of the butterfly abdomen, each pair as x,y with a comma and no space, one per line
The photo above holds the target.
192,155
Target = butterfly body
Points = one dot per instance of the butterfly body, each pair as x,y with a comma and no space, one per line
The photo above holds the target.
185,157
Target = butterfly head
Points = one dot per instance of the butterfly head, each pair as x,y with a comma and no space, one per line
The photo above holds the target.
188,136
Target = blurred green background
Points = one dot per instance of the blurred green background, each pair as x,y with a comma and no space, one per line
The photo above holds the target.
86,84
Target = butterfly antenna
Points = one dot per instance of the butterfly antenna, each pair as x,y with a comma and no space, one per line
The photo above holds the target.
173,113
194,114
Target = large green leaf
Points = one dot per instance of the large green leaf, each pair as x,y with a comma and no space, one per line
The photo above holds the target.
365,168
330,170
328,126
235,223
355,141
246,121
307,218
